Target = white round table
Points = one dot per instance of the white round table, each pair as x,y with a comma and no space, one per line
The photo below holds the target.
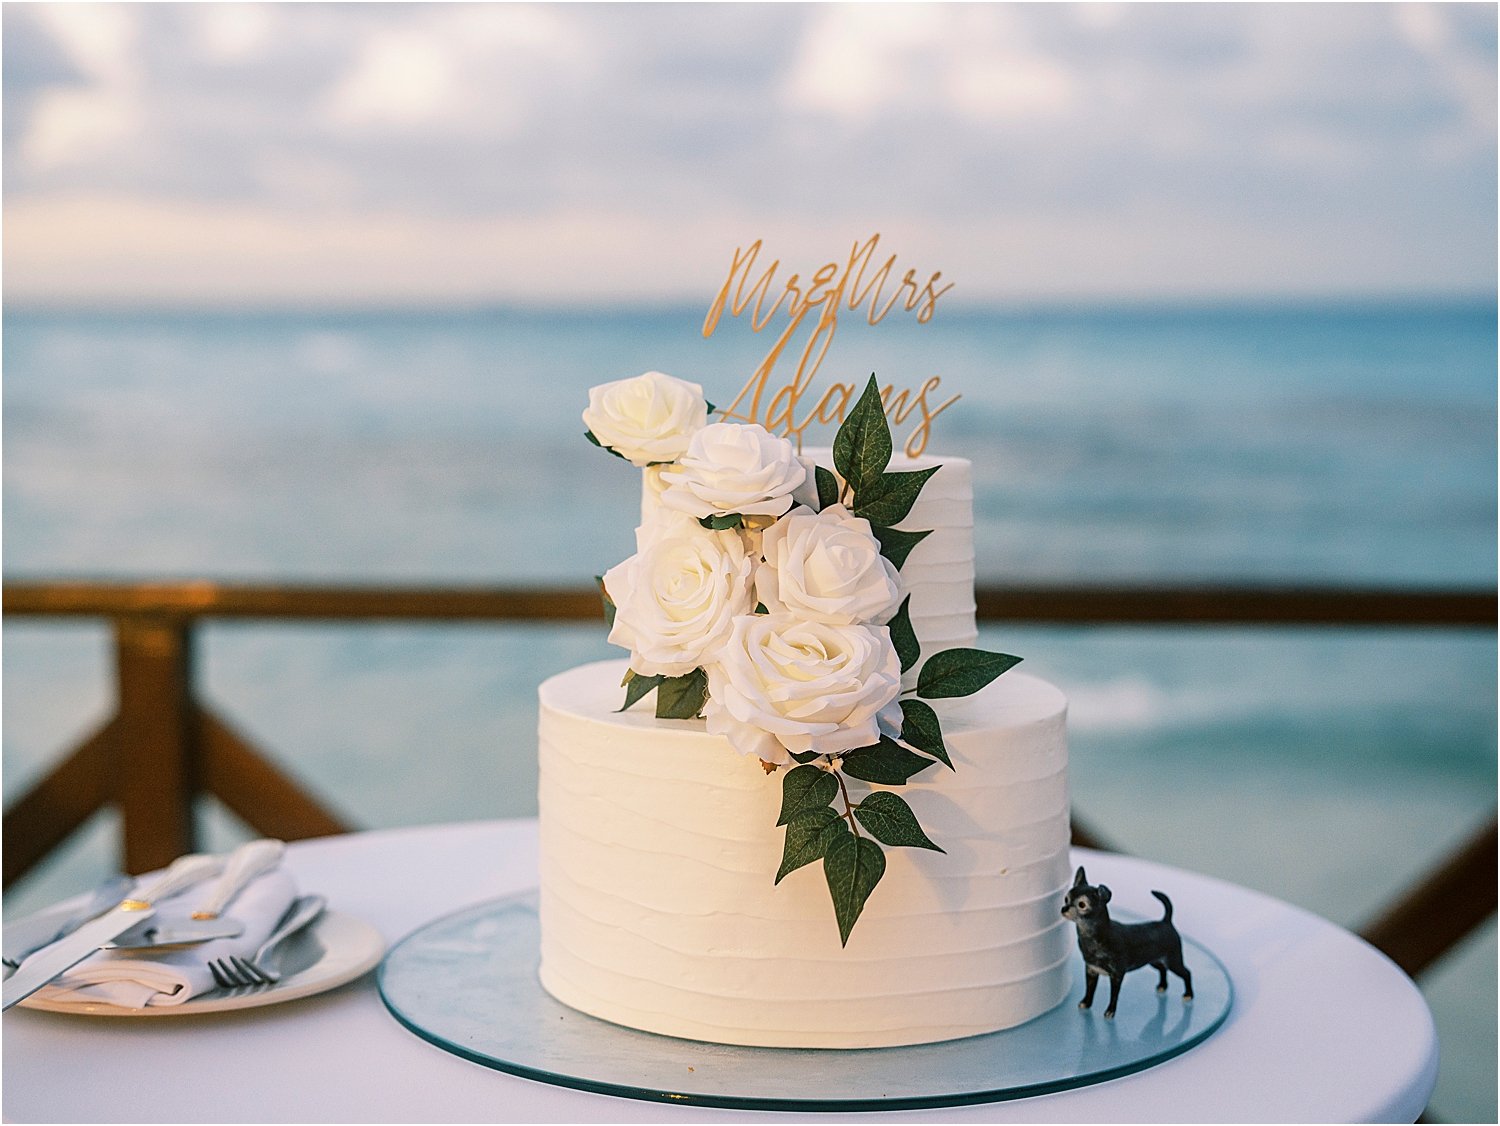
1324,1028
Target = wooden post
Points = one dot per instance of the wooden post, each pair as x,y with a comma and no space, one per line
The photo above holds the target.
1436,914
157,741
48,813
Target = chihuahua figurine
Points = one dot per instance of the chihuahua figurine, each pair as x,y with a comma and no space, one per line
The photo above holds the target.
1114,949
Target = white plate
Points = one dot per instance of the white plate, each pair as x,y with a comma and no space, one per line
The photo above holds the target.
334,950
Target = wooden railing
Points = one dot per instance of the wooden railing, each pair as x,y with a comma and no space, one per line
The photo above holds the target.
164,746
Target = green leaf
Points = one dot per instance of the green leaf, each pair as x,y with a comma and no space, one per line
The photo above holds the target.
896,545
710,406
807,756
862,446
804,788
609,603
891,821
920,728
961,672
682,697
719,523
828,487
638,686
903,637
853,866
886,763
808,837
760,608
890,499
589,434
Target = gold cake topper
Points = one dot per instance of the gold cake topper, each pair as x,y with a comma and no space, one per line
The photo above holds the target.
832,287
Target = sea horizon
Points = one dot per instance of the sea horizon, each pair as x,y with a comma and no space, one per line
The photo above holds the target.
953,305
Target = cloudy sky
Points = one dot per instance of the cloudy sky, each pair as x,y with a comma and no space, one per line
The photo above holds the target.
348,153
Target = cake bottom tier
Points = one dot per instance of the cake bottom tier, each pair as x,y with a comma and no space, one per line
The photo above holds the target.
659,910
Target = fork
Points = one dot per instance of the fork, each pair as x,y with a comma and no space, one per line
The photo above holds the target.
235,972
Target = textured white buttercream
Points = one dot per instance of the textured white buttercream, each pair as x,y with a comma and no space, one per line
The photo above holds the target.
660,846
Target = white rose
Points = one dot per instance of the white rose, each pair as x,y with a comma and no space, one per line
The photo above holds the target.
807,493
676,598
782,685
650,418
826,566
734,467
652,512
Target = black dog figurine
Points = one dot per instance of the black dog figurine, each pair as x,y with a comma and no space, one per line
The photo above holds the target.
1114,949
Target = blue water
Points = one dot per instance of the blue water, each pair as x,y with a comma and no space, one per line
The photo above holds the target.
1351,445
1342,445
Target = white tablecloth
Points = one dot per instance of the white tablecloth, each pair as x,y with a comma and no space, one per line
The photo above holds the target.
1324,1028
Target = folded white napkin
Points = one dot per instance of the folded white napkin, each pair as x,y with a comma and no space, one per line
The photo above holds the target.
133,979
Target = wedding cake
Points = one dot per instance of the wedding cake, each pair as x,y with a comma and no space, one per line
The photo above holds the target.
802,692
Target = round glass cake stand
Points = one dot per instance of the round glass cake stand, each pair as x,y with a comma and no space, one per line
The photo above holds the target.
468,983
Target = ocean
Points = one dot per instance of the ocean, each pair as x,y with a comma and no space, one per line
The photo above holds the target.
1341,444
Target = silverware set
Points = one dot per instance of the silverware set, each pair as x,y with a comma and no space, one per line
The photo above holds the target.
120,916
62,955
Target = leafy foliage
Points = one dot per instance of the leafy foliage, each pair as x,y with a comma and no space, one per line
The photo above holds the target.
719,523
637,687
682,697
890,501
589,434
920,728
853,866
805,788
886,763
891,821
903,637
828,487
896,544
961,672
862,447
808,837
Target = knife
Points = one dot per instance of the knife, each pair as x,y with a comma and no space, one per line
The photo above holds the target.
26,936
66,953
162,933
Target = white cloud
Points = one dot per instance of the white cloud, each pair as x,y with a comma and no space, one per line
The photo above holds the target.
101,39
856,62
402,79
1468,73
1135,149
234,32
466,68
81,125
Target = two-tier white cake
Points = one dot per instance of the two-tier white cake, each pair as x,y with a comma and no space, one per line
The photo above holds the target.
660,849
